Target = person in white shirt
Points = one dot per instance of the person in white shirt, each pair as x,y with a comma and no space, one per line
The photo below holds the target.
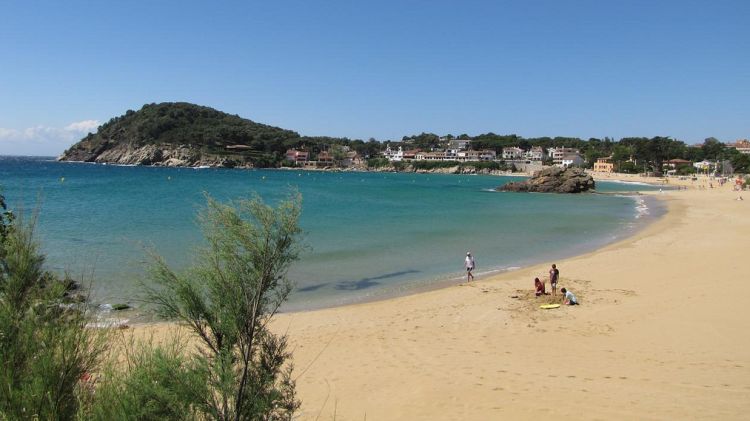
569,299
469,265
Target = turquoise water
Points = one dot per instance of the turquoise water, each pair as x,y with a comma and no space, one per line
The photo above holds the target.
370,235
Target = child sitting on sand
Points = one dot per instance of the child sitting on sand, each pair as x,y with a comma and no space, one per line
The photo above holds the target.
569,298
539,287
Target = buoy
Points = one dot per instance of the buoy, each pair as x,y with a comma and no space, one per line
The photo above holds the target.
62,179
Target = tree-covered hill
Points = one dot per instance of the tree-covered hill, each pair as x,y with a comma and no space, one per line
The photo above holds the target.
199,131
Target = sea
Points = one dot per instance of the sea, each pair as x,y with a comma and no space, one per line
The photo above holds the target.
368,235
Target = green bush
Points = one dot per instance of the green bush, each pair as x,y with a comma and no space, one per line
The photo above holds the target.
241,370
46,353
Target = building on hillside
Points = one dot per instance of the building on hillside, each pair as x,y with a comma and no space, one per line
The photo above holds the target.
604,165
460,144
325,159
487,155
742,146
536,153
298,157
468,156
571,159
558,154
351,158
430,156
392,155
513,153
410,154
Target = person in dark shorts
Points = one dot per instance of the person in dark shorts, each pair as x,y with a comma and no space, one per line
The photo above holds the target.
554,275
469,265
569,298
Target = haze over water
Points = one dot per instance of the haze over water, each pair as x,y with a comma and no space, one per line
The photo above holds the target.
370,235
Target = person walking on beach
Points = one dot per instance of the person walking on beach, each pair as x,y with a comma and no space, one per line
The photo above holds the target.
554,275
469,264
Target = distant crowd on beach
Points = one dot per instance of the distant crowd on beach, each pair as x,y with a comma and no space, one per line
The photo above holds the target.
554,275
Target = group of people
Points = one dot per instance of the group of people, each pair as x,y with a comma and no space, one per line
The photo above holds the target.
554,275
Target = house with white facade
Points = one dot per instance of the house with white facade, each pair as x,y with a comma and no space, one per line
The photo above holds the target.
392,155
536,153
513,153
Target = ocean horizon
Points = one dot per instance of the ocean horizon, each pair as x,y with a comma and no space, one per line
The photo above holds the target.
369,235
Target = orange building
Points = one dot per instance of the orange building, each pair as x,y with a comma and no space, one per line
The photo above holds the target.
604,165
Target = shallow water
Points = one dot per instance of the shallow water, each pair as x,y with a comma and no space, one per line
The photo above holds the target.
369,235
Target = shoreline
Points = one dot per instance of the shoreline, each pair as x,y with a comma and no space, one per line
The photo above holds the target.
658,335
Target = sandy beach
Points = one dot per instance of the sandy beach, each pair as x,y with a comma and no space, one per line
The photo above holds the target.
660,334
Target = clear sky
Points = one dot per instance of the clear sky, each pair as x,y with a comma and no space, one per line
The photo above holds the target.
382,69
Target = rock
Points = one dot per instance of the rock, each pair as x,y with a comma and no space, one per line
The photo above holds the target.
553,180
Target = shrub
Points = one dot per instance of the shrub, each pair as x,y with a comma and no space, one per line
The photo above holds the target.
46,353
241,370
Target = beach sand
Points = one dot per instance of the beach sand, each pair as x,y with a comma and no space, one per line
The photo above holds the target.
660,334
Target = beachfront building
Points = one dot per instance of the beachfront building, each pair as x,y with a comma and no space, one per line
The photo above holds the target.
676,163
298,157
411,154
513,153
705,166
450,154
351,158
742,146
487,155
570,156
325,159
392,155
536,153
571,159
604,165
430,156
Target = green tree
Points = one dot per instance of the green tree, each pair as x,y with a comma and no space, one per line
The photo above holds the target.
241,371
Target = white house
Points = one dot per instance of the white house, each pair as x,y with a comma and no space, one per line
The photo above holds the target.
392,155
513,153
536,153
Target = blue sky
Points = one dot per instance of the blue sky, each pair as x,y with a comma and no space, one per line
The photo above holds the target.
380,69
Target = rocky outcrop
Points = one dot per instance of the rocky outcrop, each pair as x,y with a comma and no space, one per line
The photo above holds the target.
553,180
156,155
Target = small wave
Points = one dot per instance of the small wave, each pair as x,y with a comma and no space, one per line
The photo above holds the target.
641,208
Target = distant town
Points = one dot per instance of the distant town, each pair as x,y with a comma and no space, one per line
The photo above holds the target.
514,158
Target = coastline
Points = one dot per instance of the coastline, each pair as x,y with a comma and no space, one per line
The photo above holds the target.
658,335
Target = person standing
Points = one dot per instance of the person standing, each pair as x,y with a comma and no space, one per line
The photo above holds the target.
469,264
554,275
